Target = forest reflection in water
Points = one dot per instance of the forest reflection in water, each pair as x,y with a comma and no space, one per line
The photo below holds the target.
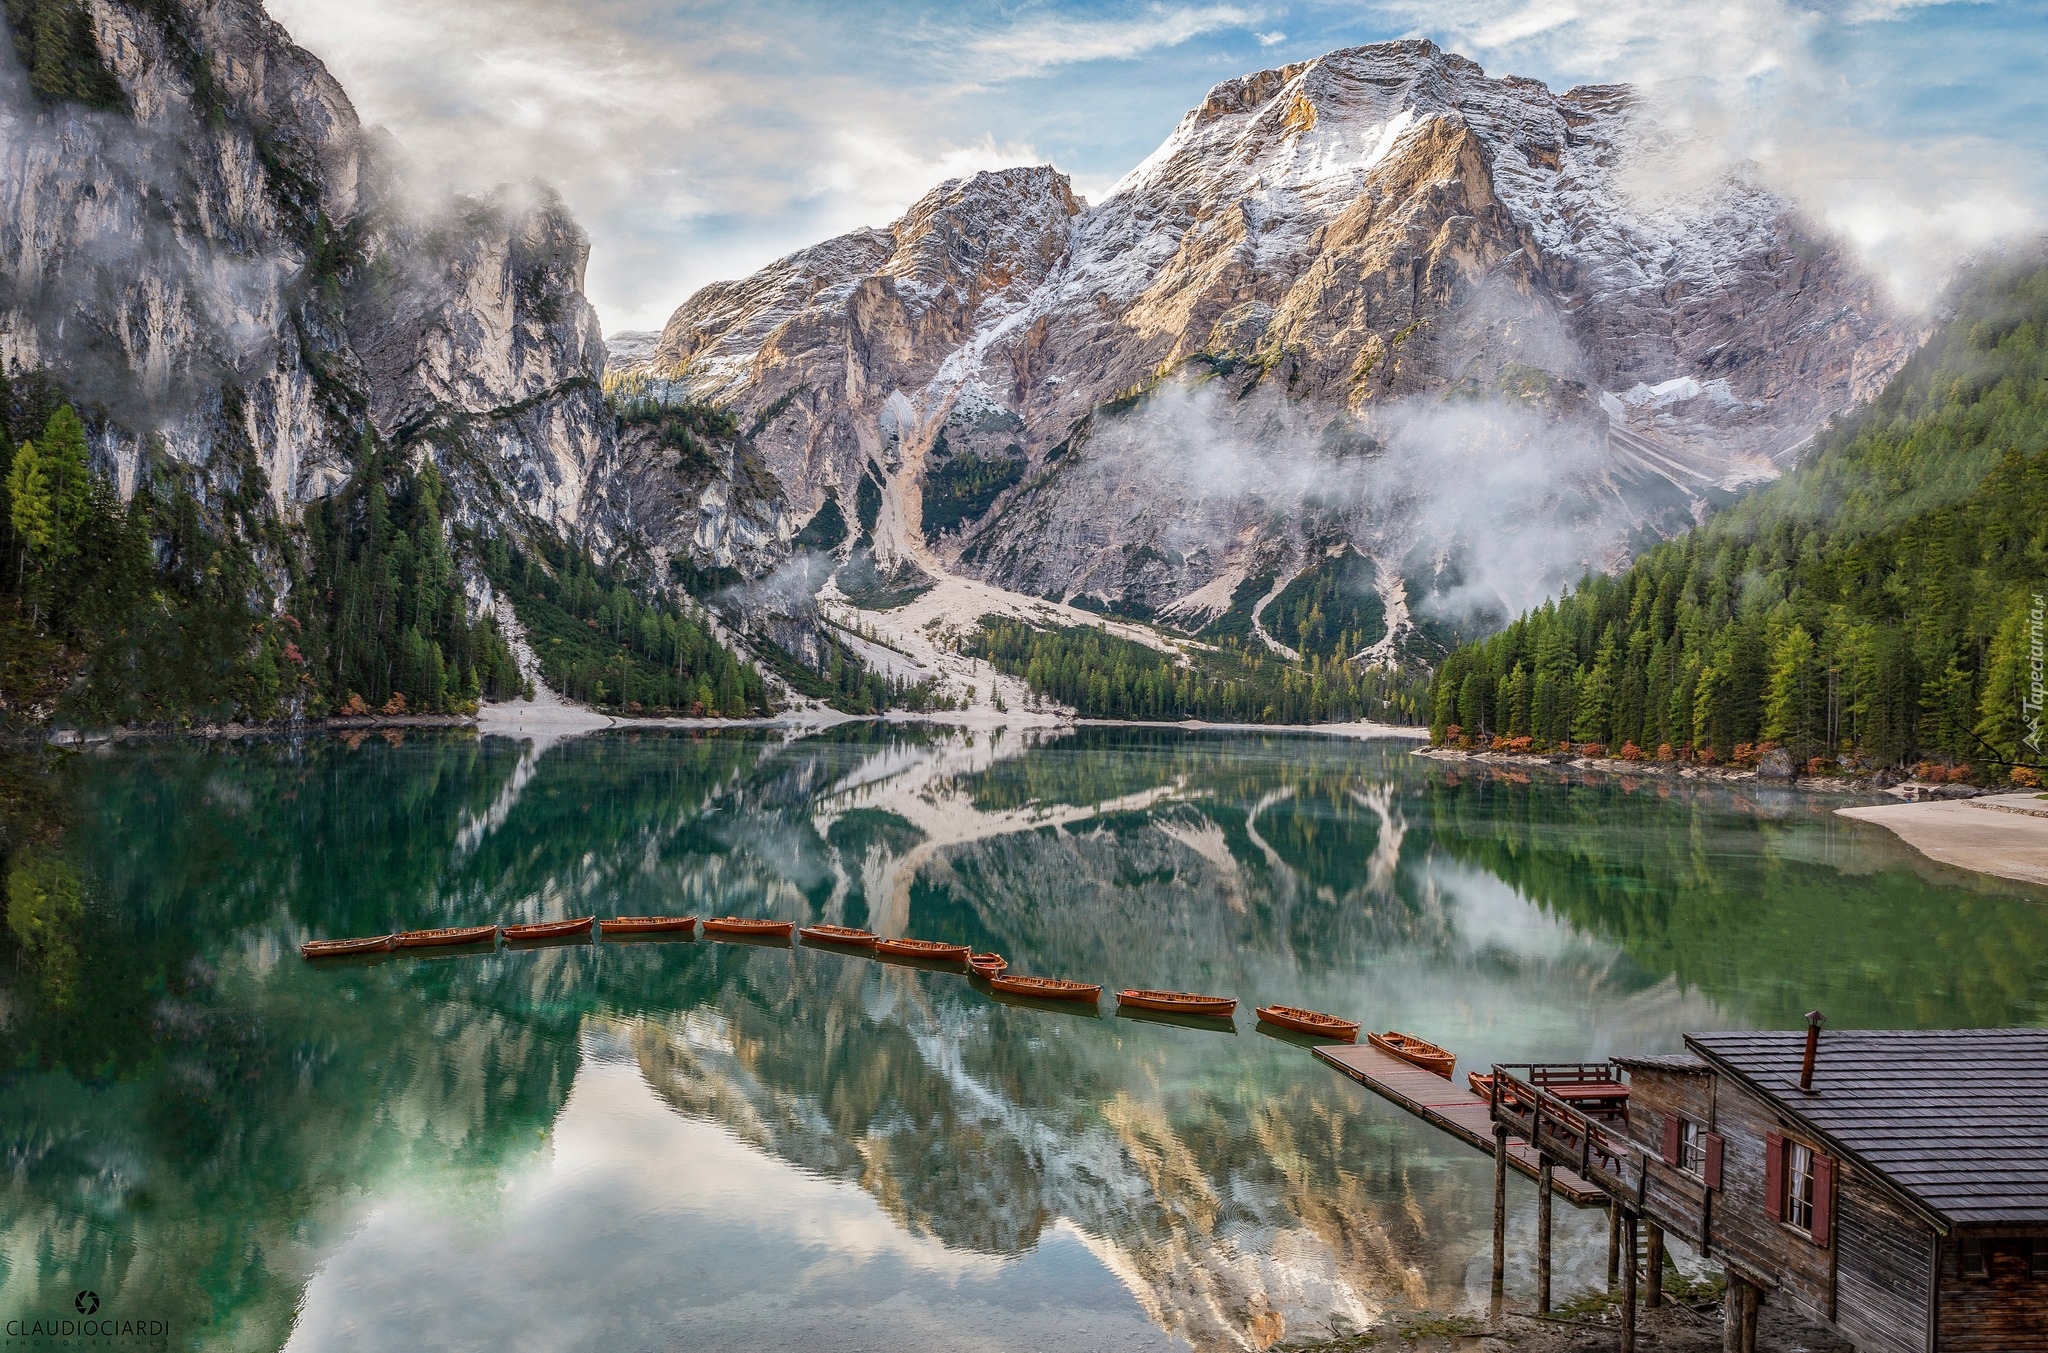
716,1145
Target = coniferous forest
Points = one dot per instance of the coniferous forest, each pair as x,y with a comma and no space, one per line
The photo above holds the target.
1874,608
1105,676
176,606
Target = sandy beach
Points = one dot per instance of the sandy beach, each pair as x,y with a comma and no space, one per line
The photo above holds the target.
2002,834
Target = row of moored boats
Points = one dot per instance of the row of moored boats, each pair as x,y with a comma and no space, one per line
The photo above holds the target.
987,967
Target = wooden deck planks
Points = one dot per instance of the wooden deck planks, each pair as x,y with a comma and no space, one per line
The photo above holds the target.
1449,1105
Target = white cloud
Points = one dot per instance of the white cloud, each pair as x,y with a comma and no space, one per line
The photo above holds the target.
873,174
1043,43
1272,39
1765,81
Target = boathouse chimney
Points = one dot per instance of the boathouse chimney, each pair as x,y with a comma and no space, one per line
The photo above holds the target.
1814,1019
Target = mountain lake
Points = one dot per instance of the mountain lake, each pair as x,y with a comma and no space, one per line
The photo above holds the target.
703,1145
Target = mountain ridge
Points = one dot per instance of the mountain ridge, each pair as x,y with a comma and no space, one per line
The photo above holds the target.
1371,226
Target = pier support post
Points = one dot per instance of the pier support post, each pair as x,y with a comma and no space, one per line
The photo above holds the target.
1738,1316
1628,1284
1543,1210
1653,1265
1613,1243
1500,1205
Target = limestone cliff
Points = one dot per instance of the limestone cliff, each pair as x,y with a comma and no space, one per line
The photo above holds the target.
214,252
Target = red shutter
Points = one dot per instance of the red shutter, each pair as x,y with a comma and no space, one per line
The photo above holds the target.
1713,1160
1674,1129
1823,1199
1774,1176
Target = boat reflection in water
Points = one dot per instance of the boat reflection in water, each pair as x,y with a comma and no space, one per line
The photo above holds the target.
764,1144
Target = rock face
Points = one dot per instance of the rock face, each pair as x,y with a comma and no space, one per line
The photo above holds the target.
1375,298
217,258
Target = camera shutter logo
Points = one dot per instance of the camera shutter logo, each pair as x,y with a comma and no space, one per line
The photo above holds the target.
87,1302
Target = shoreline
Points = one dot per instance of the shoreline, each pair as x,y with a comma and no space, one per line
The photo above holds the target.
1667,770
1984,835
554,720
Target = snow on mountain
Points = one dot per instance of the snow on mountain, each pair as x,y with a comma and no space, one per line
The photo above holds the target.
1331,266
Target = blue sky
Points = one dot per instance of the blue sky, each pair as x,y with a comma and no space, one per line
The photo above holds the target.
699,140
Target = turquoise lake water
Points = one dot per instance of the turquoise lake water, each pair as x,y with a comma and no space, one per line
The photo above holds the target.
707,1146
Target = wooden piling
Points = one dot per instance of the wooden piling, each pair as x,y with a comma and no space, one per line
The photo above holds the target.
1653,1265
1613,1244
1628,1284
1543,1210
1500,1206
1752,1297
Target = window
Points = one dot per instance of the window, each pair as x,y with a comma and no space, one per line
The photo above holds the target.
1799,1186
1970,1258
1692,1148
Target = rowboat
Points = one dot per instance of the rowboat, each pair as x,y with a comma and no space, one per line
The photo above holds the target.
369,944
1310,1022
445,936
1482,1085
1421,1052
839,934
1046,988
738,925
646,925
1178,1002
549,930
987,965
930,949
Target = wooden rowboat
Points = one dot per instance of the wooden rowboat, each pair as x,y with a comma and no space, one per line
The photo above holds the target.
369,944
549,930
1178,1002
646,925
839,934
928,949
445,936
1310,1022
738,925
1046,988
987,965
1482,1085
1420,1051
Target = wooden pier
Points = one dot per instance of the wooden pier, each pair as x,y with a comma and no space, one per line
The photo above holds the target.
1449,1105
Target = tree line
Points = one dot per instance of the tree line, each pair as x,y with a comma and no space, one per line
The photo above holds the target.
1105,676
599,641
1876,607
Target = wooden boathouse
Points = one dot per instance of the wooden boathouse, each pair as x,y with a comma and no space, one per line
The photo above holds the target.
1892,1186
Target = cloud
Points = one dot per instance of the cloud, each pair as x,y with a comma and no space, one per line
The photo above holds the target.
1840,107
1272,39
1042,43
689,151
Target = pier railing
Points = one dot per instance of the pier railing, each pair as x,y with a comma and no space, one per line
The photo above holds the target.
1524,1099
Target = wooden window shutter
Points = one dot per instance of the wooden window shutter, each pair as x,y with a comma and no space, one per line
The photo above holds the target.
1674,1128
1823,1199
1713,1140
1774,1176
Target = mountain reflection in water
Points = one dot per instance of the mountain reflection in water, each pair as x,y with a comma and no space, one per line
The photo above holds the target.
709,1145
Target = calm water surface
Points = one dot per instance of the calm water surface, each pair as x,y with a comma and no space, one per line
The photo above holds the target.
706,1146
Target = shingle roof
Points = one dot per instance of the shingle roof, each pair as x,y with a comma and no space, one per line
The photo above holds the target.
1683,1063
1956,1119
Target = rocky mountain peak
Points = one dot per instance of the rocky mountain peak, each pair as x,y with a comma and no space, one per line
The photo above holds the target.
1329,243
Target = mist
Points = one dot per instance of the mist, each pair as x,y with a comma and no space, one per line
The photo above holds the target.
1521,501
